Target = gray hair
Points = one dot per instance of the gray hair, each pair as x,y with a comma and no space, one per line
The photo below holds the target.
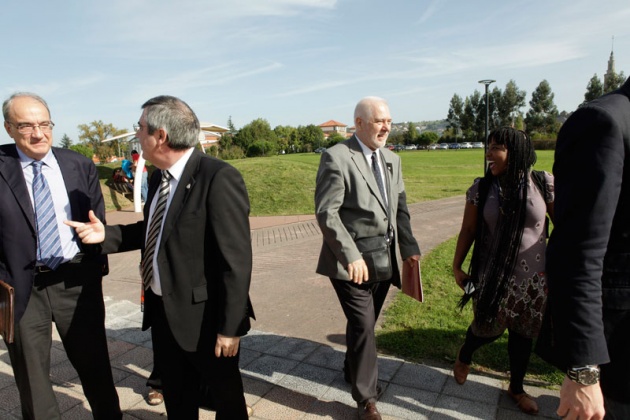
176,118
6,106
365,107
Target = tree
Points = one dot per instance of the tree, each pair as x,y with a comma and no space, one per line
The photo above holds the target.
455,111
84,149
95,132
494,98
227,139
508,105
428,137
467,119
474,117
541,118
258,131
311,137
66,142
334,138
594,89
411,134
286,135
231,129
262,148
614,82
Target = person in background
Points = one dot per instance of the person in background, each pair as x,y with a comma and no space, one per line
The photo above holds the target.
505,217
126,167
55,277
587,327
196,262
360,193
119,177
144,187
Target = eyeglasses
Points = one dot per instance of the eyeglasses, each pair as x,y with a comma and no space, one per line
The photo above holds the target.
28,128
137,127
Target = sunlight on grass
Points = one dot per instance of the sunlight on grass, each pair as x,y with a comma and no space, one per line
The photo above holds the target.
285,185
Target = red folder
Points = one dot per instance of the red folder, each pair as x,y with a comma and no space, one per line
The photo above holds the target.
7,325
412,281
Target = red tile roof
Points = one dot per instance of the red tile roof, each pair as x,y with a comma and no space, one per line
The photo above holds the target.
332,123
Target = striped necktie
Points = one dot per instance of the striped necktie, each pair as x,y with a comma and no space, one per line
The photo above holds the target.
49,252
154,230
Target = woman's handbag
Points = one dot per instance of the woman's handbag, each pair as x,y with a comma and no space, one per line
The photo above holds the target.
375,251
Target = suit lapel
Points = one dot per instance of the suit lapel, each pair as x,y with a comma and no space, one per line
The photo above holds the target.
181,194
11,171
388,170
70,177
357,156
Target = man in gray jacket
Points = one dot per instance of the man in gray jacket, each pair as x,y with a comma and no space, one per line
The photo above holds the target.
359,194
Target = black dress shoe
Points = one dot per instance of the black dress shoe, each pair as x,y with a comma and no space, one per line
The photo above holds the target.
368,411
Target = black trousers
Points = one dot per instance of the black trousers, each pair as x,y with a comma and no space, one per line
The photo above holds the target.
184,373
361,305
76,306
519,352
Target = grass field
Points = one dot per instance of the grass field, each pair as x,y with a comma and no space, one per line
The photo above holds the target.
285,185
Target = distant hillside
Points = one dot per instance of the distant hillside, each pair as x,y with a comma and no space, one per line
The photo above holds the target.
437,126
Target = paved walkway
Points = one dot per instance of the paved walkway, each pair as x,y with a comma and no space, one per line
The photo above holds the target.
291,361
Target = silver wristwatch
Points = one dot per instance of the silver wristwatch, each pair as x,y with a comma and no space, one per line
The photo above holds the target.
585,375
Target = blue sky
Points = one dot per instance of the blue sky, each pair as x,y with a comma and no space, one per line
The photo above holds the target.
299,62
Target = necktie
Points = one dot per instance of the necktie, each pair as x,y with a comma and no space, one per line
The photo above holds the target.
154,230
49,252
379,178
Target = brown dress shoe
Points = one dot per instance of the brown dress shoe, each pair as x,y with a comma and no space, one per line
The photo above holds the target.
524,402
154,397
368,411
461,370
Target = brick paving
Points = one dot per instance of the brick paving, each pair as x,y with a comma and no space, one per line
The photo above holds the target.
291,361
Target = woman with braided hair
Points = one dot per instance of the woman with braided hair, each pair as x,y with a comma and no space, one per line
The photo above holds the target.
505,217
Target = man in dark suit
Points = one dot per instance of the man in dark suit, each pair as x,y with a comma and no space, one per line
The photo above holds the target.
351,203
196,264
60,283
587,327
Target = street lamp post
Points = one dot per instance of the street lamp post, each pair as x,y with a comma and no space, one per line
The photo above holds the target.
486,82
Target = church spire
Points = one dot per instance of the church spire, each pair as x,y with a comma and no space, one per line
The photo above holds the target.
610,75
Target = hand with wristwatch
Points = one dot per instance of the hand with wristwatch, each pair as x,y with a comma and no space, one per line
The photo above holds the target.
584,375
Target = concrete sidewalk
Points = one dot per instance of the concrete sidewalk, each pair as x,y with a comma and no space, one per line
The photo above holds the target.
291,361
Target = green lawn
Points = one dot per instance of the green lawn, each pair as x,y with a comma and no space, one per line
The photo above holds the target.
283,185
